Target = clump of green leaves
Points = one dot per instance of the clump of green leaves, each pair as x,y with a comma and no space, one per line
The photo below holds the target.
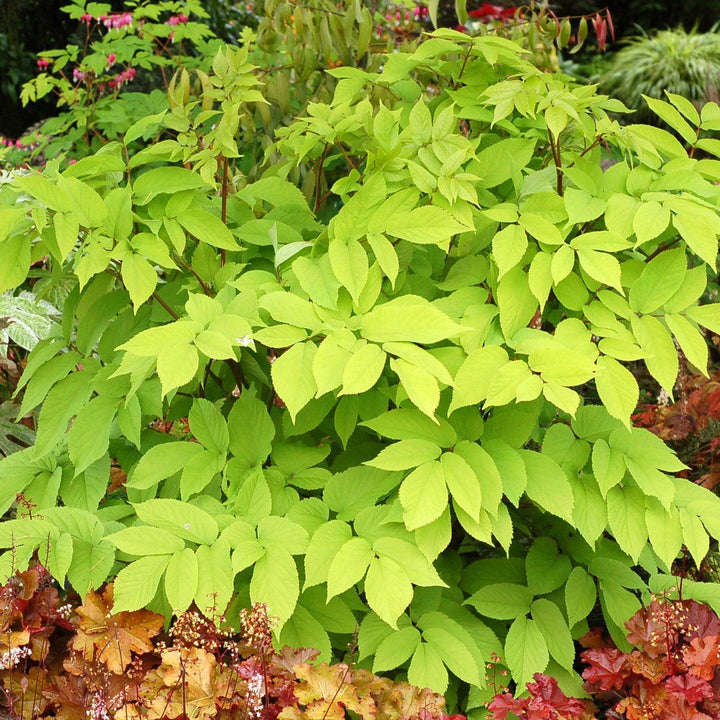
385,383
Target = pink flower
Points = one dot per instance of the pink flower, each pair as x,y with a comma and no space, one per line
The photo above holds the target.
42,63
86,18
183,18
117,21
78,75
111,59
18,144
173,20
123,77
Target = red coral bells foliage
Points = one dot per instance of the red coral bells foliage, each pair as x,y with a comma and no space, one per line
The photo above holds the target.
546,702
673,674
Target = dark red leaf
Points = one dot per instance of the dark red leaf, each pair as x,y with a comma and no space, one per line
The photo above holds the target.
608,668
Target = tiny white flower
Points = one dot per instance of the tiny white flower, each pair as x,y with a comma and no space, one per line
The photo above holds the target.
187,526
245,341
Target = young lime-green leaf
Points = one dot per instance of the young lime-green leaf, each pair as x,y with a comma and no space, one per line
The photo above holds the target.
275,582
699,232
421,358
580,595
691,341
660,279
411,424
161,462
509,246
426,225
214,345
526,651
516,302
348,566
408,318
427,669
415,564
673,118
208,425
454,653
181,518
555,631
405,454
562,263
421,387
547,485
137,583
139,277
349,263
695,536
617,603
617,388
664,531
144,540
169,180
502,601
16,261
60,555
395,649
486,472
706,315
562,366
386,256
282,532
581,206
540,277
608,466
388,589
323,547
651,220
473,379
285,307
181,579
303,628
251,431
89,435
602,267
293,377
423,495
362,370
661,356
176,365
253,500
207,228
215,578
626,518
463,484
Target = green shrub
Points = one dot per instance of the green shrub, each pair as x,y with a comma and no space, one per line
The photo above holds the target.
368,410
676,61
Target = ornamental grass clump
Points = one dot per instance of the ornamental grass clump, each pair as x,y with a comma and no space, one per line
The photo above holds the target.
681,62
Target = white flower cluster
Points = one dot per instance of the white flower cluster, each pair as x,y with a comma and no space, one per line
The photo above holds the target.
98,708
255,694
10,658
